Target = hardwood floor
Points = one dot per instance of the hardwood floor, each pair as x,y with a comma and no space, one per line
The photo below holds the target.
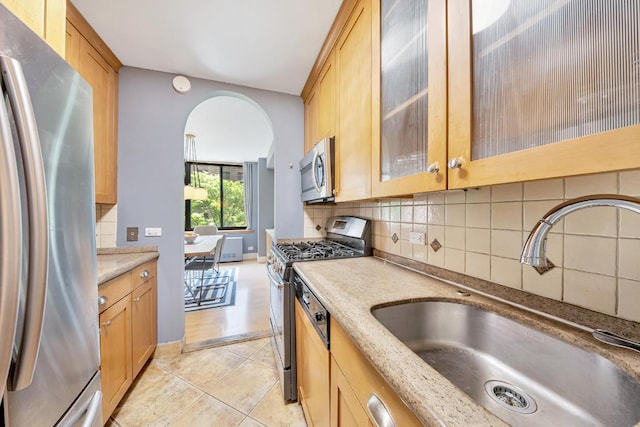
247,318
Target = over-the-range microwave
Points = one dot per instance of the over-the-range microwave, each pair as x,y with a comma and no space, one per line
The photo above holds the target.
316,173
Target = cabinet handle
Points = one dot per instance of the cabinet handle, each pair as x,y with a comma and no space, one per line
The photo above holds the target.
136,299
144,274
107,323
433,168
102,300
379,412
455,163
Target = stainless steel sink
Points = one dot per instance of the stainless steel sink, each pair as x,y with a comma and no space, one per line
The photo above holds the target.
522,375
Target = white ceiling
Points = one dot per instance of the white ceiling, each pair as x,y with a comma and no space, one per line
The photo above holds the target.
266,44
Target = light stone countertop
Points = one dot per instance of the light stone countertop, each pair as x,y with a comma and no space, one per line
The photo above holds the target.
349,288
113,262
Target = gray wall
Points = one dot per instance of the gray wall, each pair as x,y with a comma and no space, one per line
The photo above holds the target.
152,117
265,204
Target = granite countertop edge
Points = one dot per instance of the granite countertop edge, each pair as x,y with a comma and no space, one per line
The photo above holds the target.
350,288
113,262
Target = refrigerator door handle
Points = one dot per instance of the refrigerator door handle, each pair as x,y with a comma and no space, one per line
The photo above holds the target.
27,354
10,243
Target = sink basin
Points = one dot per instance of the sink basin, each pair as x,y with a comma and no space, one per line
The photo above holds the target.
521,375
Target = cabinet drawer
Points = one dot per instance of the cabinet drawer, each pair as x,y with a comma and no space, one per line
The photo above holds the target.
113,291
143,273
364,379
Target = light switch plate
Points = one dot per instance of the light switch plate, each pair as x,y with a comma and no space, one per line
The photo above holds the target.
153,232
417,238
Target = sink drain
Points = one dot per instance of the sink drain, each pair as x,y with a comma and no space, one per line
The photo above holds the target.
510,397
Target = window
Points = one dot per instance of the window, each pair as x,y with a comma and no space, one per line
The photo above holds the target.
224,206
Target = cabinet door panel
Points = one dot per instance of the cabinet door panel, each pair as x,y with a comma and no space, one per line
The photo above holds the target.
103,79
143,324
542,90
311,111
115,354
353,142
346,411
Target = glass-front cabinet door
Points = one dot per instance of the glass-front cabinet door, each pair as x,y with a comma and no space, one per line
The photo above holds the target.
542,88
409,97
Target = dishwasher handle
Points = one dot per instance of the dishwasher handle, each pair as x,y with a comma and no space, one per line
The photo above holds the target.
379,412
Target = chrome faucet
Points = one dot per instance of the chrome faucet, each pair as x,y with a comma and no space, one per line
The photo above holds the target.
534,250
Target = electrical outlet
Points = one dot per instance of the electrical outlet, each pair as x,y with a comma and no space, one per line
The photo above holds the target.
153,232
417,238
249,248
132,234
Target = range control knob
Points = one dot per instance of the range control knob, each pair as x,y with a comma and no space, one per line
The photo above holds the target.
319,316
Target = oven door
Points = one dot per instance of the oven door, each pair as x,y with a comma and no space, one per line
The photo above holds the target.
277,309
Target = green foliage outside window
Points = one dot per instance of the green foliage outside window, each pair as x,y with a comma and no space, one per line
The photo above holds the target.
204,212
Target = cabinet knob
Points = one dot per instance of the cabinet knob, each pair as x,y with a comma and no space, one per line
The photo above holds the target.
136,299
144,274
433,168
455,163
107,323
102,300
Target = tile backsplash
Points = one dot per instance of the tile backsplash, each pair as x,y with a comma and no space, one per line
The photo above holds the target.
106,221
596,251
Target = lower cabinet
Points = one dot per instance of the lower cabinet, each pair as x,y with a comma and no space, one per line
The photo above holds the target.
355,383
312,371
128,331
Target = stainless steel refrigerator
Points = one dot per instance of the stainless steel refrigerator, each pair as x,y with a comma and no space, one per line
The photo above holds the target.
49,342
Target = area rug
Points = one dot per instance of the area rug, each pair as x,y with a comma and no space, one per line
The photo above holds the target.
213,296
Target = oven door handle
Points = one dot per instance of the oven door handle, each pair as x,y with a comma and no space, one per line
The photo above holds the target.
274,277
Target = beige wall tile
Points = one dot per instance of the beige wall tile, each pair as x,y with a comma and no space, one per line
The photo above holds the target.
629,295
506,192
108,227
420,199
506,216
435,232
420,214
108,241
392,247
406,214
506,244
454,259
394,213
405,230
109,213
420,228
454,237
420,252
478,265
506,272
478,240
436,198
394,228
454,215
555,248
436,258
598,221
455,196
534,211
630,183
589,290
590,254
384,213
435,214
547,285
629,260
629,224
604,183
478,215
375,213
406,249
479,195
548,189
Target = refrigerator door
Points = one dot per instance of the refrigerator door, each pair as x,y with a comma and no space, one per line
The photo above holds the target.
68,355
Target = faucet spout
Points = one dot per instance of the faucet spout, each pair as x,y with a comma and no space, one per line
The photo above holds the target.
534,250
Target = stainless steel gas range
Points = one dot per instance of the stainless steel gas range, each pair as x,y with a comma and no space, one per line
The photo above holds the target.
347,237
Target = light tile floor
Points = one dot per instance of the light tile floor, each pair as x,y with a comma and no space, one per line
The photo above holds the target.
231,385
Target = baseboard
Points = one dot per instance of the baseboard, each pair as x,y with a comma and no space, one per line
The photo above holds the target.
262,259
169,349
233,339
251,255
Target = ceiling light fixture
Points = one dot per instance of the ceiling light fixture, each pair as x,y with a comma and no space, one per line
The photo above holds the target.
192,187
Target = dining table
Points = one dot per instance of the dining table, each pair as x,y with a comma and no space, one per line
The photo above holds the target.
202,246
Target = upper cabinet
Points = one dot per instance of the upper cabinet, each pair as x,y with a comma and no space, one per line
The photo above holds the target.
319,106
353,56
91,57
465,94
45,17
542,89
410,97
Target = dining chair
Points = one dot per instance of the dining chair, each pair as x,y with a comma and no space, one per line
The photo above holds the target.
196,285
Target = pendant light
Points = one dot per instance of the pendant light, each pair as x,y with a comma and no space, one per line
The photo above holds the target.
193,190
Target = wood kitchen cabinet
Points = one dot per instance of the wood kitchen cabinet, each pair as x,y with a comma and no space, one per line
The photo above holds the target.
312,371
319,106
353,383
353,58
541,91
45,17
128,331
409,141
95,62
